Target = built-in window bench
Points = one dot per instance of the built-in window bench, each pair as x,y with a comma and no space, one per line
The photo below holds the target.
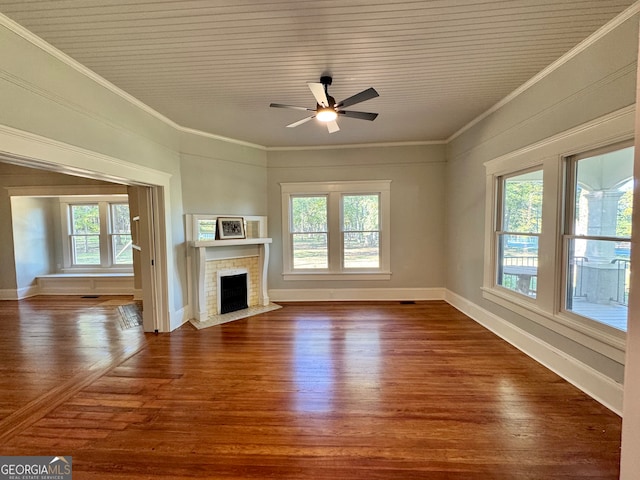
86,284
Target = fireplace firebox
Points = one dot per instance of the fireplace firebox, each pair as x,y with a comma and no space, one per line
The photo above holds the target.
233,292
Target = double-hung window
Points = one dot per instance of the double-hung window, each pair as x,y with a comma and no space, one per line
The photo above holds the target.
336,230
98,233
85,234
309,233
519,227
120,234
558,233
597,236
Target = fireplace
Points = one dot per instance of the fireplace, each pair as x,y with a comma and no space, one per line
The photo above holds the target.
211,259
233,290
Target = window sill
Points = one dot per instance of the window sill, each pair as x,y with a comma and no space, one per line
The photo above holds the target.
93,271
335,276
87,274
601,338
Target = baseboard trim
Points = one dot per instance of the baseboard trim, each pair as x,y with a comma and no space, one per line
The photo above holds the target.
20,293
355,294
9,294
598,386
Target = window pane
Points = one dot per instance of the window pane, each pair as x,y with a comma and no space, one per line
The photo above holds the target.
85,249
361,250
360,226
122,251
599,288
597,269
310,250
360,213
522,203
308,214
604,195
85,219
518,263
120,221
309,232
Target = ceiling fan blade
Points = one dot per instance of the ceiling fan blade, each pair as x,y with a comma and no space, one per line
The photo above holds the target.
360,115
367,94
318,92
300,122
332,126
280,105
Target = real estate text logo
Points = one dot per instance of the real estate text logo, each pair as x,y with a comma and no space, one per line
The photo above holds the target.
35,468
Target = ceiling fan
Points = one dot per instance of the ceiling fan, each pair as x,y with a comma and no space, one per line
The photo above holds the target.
327,110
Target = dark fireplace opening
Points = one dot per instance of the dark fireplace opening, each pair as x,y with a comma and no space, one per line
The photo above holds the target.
233,293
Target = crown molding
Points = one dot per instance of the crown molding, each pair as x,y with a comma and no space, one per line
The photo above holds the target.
357,145
575,51
87,72
29,36
35,40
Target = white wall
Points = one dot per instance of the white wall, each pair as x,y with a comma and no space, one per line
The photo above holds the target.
222,177
49,100
596,82
33,235
417,211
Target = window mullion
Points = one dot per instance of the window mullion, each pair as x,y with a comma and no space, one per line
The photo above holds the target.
105,237
335,240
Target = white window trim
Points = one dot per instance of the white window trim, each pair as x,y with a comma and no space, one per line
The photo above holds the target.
107,265
546,308
334,191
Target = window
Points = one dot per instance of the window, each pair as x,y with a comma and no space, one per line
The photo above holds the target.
85,234
333,230
361,231
309,233
99,233
558,231
597,238
120,231
518,228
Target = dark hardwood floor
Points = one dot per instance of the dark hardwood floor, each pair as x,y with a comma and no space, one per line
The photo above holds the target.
310,391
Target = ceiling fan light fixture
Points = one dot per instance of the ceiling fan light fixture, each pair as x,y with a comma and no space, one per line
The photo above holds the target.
326,114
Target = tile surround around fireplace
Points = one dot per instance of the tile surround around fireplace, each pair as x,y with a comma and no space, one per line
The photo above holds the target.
212,256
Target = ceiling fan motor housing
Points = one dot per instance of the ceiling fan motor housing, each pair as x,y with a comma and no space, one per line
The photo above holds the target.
330,99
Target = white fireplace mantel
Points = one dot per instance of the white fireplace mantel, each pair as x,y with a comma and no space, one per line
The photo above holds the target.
230,243
221,249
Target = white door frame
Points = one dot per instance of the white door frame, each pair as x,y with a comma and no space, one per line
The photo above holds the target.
31,150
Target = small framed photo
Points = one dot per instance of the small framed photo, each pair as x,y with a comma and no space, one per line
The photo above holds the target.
230,227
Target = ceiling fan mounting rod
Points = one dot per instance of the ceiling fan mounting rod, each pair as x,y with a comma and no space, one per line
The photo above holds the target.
326,80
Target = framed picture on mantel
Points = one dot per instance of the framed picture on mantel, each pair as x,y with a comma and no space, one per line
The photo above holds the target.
230,227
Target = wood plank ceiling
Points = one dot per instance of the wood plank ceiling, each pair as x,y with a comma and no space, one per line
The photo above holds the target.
216,65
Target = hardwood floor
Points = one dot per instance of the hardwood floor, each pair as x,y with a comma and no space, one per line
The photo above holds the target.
310,391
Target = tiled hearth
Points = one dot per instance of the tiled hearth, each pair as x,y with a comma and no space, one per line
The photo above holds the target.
230,317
